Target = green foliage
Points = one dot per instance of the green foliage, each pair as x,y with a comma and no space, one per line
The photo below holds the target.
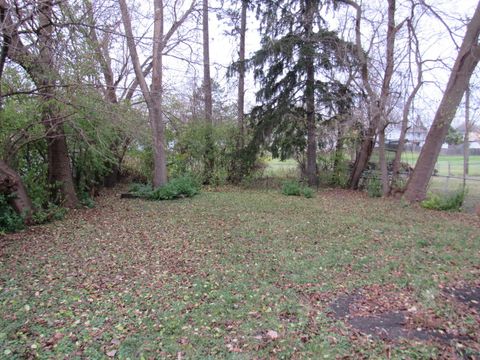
10,221
374,185
448,202
185,186
203,149
334,169
49,212
294,188
454,137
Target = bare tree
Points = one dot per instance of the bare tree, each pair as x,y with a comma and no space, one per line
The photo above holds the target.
154,95
465,63
207,80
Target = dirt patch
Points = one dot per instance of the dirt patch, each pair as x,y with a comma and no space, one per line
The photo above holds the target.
467,295
390,314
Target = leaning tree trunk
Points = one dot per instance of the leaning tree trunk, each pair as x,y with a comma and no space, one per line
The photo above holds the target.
465,64
466,140
378,104
11,183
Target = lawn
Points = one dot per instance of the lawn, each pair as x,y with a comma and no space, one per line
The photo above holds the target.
241,274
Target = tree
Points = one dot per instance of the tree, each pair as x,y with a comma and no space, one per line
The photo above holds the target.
38,60
153,96
465,63
376,101
207,81
296,49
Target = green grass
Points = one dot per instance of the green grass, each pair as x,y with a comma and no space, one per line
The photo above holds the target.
208,277
446,162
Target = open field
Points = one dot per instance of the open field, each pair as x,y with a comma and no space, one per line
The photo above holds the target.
440,184
241,275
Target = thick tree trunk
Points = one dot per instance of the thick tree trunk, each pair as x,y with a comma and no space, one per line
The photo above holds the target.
10,182
466,140
465,64
363,156
207,81
59,171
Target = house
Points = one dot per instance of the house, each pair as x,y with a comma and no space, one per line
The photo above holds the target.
415,137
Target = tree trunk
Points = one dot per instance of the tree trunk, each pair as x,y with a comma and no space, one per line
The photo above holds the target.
465,64
153,97
207,81
310,96
59,171
241,76
466,143
156,113
377,104
10,182
383,161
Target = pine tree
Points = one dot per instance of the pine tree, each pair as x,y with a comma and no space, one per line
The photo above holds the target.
297,50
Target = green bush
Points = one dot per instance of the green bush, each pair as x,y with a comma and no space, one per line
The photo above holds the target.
293,188
448,202
374,186
10,221
307,192
185,186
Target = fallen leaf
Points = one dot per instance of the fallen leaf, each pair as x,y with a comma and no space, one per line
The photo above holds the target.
272,334
111,353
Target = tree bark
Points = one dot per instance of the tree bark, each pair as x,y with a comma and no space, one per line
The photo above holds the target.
153,97
10,182
466,138
207,81
59,170
465,64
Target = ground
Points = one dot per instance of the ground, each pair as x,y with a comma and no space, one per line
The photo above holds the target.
243,274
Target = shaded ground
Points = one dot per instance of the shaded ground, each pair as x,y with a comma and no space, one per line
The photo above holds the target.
242,274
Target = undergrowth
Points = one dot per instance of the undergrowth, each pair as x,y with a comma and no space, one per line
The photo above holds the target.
185,186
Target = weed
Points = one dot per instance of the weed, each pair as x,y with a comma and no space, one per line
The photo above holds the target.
448,202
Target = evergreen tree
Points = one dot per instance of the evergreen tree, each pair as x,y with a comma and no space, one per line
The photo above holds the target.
297,52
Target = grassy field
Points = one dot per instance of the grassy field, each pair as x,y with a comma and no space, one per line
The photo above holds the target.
447,163
438,184
240,275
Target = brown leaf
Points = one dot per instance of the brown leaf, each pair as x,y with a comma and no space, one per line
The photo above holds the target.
111,353
272,334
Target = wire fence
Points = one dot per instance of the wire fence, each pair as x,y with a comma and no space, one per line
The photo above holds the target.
449,177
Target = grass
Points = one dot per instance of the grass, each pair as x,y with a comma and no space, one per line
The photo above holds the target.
214,276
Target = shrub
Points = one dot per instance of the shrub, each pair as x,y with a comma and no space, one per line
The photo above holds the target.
307,192
10,221
185,186
448,202
374,186
293,188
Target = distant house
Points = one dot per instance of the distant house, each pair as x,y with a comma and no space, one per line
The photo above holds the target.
415,137
473,136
